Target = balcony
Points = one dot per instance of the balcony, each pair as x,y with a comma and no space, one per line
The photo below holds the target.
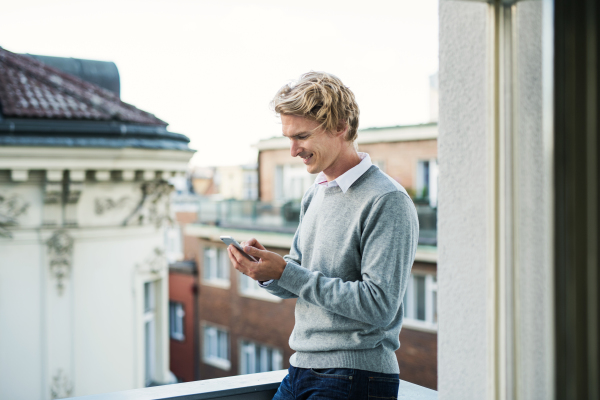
241,387
264,216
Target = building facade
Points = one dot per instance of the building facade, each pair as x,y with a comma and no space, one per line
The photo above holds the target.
243,329
83,205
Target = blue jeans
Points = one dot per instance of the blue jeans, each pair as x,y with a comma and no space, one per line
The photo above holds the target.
337,384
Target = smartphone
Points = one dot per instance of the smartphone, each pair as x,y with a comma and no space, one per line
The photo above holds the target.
229,240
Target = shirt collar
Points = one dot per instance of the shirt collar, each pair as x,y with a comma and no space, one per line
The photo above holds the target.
346,180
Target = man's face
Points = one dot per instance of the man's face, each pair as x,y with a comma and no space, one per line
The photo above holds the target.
318,149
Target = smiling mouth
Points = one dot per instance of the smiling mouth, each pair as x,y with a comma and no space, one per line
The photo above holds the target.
307,159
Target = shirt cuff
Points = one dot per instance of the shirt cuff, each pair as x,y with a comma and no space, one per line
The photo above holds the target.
265,283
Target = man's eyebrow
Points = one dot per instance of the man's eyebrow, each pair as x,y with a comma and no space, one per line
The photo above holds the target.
297,134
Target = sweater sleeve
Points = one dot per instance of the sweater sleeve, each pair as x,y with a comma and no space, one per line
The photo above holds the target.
294,258
388,246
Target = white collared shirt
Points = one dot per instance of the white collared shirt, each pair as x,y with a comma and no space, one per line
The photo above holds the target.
346,180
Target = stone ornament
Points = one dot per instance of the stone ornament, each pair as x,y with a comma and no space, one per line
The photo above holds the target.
105,204
61,386
11,207
60,249
155,263
153,206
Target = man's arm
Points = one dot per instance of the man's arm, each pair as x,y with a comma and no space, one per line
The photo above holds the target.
267,270
388,246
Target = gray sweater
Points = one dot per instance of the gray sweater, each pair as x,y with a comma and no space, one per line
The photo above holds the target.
349,267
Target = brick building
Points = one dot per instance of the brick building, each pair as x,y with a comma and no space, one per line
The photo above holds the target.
242,328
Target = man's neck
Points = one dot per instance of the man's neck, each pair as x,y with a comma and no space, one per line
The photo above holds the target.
347,160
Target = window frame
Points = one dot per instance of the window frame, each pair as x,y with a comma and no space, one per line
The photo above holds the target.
249,348
176,320
429,324
211,332
248,287
221,266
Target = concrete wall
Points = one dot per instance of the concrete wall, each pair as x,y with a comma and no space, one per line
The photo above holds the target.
494,220
462,201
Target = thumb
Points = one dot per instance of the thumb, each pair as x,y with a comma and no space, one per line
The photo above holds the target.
253,251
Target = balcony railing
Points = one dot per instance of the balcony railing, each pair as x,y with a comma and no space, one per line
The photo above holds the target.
259,215
241,387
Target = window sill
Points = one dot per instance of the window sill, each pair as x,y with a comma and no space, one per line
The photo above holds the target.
218,362
417,325
261,295
219,283
178,337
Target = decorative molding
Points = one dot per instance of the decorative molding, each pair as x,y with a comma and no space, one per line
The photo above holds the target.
53,192
60,248
11,206
105,204
155,263
61,386
153,206
74,190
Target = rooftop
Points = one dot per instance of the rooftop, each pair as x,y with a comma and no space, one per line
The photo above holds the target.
31,89
43,106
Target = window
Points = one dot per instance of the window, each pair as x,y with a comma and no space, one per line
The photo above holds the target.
427,180
149,332
216,347
216,266
249,287
173,244
420,302
291,181
176,315
258,358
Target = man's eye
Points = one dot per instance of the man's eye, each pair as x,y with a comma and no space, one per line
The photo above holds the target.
301,137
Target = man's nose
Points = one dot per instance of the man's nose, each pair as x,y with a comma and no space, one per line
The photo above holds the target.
294,149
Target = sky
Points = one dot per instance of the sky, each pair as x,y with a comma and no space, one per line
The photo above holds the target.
210,68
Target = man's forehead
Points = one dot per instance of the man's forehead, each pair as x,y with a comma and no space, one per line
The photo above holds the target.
292,125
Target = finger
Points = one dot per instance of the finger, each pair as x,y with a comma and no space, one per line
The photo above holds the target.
254,243
253,251
240,258
235,263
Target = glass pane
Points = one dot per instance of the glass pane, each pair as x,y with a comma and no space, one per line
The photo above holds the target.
434,305
148,352
148,297
419,292
259,356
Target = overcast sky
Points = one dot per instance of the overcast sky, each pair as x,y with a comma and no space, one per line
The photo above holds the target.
210,68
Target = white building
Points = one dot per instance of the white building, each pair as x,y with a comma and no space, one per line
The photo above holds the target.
83,203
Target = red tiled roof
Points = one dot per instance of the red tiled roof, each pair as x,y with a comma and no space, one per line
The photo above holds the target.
32,89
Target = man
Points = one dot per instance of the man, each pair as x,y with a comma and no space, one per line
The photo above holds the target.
351,256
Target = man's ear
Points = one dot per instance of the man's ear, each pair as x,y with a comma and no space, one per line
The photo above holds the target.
341,129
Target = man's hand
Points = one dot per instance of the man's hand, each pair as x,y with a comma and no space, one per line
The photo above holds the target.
269,266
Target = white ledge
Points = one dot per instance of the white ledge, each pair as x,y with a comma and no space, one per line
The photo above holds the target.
253,386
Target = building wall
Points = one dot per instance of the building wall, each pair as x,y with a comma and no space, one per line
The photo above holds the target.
399,160
245,318
268,161
271,323
417,357
74,314
183,287
495,233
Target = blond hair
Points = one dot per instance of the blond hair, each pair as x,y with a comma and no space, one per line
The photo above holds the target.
321,97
